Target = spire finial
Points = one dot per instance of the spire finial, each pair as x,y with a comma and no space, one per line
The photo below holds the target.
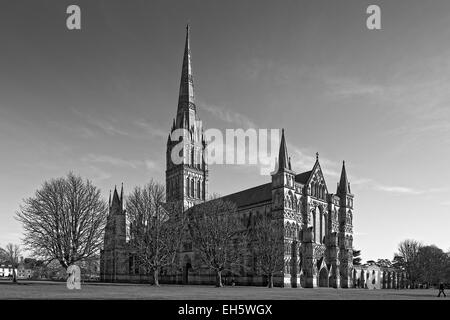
283,157
343,185
317,156
186,94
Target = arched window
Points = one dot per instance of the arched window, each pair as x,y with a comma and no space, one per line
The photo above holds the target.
321,227
314,224
313,189
198,189
192,187
188,182
192,157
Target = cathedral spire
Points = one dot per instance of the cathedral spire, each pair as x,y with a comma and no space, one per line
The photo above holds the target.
344,185
116,199
121,196
283,158
186,95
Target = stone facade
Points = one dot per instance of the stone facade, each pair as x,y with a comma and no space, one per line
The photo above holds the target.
318,224
114,257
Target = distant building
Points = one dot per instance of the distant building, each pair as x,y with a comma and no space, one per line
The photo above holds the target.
375,277
6,270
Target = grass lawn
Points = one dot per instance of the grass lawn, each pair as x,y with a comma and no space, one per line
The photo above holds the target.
58,290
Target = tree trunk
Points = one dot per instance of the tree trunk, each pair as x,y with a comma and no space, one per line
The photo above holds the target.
156,276
270,284
219,279
14,275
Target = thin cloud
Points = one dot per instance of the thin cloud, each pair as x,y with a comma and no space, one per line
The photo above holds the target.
114,161
104,125
151,129
151,165
228,115
406,190
398,189
350,87
98,175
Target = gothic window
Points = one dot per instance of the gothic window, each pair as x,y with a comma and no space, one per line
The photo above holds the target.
291,200
198,189
313,189
193,157
314,224
321,227
192,188
188,182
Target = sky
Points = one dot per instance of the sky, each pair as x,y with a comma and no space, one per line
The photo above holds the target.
100,101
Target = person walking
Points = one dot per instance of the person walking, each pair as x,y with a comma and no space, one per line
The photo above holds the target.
441,290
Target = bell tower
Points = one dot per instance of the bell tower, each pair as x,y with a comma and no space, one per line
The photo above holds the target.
186,166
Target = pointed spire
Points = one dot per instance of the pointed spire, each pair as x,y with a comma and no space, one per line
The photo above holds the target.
115,199
121,193
186,95
109,201
344,185
317,156
283,158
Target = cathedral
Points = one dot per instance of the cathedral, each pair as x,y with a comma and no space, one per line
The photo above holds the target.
318,227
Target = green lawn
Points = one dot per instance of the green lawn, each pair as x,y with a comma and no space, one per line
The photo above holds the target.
58,290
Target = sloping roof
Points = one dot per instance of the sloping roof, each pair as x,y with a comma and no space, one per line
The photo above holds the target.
251,196
303,177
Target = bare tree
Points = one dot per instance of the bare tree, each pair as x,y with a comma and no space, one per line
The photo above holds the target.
155,228
218,236
64,221
12,255
408,250
2,255
267,238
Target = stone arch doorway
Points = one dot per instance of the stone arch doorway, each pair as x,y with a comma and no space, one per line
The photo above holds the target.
323,277
186,267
